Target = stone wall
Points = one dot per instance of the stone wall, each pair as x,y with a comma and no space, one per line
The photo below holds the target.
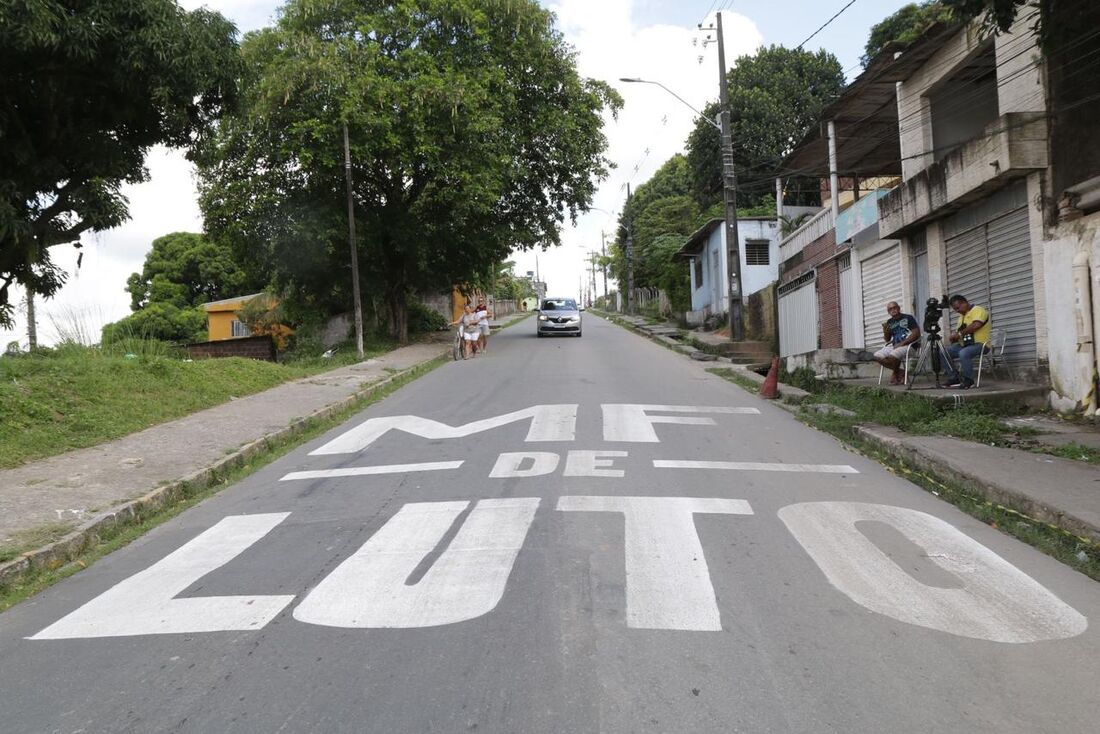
250,347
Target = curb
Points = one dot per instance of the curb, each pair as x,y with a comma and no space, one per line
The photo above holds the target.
65,549
895,446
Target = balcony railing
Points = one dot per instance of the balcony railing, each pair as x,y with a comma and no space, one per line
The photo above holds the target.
796,241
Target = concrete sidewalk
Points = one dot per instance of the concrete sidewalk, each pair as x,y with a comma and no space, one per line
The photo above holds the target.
79,493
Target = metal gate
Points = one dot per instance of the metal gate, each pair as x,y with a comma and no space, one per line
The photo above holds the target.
881,284
798,316
851,307
990,264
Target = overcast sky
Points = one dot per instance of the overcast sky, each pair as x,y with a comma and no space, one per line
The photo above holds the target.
652,39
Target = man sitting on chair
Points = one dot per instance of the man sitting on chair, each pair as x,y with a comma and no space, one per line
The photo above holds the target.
900,331
967,341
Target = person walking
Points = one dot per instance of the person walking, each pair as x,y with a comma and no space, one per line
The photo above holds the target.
483,315
471,333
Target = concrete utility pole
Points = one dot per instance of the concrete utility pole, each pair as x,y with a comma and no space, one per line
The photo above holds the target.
32,325
729,191
358,306
603,261
629,256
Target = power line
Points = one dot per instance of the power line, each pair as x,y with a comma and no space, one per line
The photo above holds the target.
826,23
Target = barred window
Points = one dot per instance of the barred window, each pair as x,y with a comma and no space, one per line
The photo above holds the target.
698,272
240,328
756,252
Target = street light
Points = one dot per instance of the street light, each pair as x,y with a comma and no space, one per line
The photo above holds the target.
700,115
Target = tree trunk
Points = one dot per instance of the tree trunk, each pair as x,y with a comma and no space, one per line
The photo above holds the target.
399,315
32,325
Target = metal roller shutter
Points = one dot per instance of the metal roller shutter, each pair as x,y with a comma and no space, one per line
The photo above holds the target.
1011,285
881,284
990,265
851,306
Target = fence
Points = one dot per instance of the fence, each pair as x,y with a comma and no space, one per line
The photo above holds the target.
645,299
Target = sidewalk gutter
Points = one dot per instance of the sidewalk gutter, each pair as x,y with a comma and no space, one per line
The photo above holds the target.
1016,479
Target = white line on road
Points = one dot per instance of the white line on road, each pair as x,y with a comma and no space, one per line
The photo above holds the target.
356,471
755,466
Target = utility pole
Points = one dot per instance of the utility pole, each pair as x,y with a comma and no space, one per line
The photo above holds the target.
354,251
603,261
32,326
629,255
729,191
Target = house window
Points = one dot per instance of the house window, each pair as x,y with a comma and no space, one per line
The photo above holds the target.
240,329
698,272
963,104
756,252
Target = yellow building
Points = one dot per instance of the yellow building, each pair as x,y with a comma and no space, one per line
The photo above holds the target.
222,318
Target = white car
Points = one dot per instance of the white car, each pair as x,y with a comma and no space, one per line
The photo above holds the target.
558,316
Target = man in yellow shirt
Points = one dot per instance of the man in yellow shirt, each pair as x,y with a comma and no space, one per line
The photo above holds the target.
967,341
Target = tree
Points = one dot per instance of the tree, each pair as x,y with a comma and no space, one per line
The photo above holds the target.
775,96
88,87
471,133
182,271
187,269
905,26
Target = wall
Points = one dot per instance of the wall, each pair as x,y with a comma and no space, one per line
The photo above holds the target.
828,304
761,317
250,347
1020,87
219,324
1069,385
757,277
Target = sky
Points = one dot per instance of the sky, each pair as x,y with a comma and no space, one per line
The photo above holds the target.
650,39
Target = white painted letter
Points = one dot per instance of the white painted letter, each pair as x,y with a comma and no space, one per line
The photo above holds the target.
144,605
997,601
372,588
627,422
548,423
588,464
508,465
667,580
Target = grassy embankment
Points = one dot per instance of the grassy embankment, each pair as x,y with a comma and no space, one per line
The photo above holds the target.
75,396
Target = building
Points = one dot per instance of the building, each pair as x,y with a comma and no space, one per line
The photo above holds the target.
223,318
948,177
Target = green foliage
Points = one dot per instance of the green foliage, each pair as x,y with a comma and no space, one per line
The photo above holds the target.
164,321
471,131
775,96
87,88
187,269
905,26
424,320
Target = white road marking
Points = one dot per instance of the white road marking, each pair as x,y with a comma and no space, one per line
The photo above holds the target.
548,423
755,466
508,464
371,589
631,422
592,464
667,579
997,602
357,471
144,605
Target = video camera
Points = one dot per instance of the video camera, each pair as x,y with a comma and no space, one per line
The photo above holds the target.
933,312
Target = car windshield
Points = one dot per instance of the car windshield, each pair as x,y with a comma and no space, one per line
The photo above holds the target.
559,304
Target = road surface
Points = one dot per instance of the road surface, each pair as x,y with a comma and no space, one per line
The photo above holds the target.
565,535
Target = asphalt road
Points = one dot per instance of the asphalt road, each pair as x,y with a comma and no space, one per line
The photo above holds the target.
599,582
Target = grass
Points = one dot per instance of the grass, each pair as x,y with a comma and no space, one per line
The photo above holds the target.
74,396
191,494
1075,451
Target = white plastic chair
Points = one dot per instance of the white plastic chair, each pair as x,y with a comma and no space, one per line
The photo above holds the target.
993,352
905,361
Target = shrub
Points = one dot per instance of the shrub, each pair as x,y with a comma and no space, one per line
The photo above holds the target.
423,319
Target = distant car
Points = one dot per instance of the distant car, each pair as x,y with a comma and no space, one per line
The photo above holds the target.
558,316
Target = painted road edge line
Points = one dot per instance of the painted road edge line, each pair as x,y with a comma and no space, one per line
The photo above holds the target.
755,466
356,471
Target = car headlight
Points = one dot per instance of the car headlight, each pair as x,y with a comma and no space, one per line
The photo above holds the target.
574,318
543,317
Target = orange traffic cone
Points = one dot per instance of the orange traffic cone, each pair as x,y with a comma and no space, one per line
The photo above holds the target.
770,388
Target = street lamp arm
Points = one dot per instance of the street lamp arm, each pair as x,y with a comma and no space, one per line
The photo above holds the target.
698,114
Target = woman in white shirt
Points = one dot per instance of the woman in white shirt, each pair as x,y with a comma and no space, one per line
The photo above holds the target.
470,330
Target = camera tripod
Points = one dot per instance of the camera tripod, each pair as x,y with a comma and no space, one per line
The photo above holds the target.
933,354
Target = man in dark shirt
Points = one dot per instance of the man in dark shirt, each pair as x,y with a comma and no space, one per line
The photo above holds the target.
900,330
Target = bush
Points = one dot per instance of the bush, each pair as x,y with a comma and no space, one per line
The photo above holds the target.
423,319
161,321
